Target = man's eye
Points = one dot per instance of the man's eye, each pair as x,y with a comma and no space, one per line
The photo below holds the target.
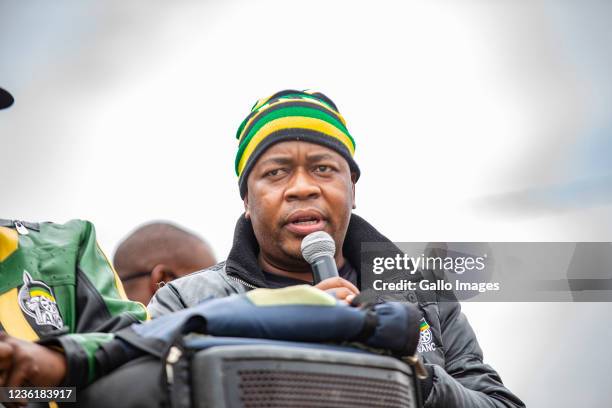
273,173
322,168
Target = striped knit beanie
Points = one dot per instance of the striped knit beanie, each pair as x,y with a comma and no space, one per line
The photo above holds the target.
291,115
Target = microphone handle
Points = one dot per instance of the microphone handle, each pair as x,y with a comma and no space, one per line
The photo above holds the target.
324,268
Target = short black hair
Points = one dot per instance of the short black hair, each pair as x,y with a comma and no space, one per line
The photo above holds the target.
156,242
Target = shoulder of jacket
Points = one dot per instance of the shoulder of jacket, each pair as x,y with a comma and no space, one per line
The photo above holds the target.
211,273
211,282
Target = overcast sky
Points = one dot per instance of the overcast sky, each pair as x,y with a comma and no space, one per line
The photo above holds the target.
474,121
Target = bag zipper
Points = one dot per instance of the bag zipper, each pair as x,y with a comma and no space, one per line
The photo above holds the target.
21,229
173,357
418,365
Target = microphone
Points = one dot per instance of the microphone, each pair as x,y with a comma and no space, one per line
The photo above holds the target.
318,250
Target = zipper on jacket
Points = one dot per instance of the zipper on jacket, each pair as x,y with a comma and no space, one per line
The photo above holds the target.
21,229
248,285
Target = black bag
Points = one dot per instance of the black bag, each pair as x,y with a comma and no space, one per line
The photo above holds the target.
303,349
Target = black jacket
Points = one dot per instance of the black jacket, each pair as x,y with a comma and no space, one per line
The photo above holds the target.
448,346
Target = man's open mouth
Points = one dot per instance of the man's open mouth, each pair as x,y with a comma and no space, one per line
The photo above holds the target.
304,222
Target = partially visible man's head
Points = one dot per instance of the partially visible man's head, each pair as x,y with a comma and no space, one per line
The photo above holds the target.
158,252
6,99
296,173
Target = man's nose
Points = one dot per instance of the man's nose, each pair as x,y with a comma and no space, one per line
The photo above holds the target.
302,187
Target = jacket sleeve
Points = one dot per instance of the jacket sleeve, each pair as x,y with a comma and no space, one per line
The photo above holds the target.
465,381
101,309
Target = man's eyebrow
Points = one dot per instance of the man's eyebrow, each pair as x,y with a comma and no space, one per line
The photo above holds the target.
277,160
320,156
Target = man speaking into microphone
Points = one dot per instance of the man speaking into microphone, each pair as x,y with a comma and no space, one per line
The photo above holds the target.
296,176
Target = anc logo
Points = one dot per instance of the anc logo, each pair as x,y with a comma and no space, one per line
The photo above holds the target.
426,342
37,301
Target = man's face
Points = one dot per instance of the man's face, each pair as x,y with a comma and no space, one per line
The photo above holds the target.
294,189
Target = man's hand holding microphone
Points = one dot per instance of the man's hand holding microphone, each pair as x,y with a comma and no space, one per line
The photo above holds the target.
318,249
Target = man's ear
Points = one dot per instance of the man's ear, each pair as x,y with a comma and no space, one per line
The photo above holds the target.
160,273
247,211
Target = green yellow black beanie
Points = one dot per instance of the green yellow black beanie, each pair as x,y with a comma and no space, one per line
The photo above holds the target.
291,115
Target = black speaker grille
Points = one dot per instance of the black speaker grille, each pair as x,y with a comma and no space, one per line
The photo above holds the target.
284,389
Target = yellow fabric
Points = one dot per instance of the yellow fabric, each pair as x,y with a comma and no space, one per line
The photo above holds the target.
292,295
261,101
118,284
258,114
12,319
302,122
42,293
9,241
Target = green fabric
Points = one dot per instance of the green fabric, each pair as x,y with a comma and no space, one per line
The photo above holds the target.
48,256
306,96
296,110
96,267
91,342
288,112
288,96
50,253
67,259
66,298
280,105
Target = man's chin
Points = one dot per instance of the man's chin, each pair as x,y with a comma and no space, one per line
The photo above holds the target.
292,244
292,249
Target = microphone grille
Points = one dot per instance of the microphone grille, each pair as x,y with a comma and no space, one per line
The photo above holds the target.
317,244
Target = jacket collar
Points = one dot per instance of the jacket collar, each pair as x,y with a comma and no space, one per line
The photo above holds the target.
242,259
